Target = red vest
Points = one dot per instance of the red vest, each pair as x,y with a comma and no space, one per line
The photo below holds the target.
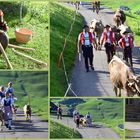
129,40
82,39
112,39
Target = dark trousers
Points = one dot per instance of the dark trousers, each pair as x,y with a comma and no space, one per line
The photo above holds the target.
88,55
109,48
127,55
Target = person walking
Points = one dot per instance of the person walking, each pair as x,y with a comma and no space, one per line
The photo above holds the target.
7,105
59,112
108,39
77,120
85,42
88,119
126,42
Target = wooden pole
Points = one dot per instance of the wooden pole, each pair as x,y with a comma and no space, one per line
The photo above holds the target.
21,48
6,57
30,58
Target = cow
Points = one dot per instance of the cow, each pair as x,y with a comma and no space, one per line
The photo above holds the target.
27,111
122,77
97,27
119,17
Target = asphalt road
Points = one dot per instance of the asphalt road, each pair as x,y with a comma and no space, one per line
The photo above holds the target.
134,127
97,131
97,83
21,128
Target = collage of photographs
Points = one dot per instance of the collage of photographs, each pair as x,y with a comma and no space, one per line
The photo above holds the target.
83,63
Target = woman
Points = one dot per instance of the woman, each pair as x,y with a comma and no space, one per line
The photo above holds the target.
7,104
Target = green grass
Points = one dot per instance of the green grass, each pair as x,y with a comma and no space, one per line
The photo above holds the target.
61,18
29,86
32,18
58,131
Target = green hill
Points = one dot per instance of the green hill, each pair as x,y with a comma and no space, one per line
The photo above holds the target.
29,86
61,18
58,130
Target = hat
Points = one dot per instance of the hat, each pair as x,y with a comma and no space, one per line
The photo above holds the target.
124,32
85,26
107,26
1,13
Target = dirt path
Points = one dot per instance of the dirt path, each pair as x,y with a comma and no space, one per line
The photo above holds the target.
25,129
98,131
97,83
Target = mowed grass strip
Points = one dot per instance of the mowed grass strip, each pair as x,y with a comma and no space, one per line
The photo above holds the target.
29,86
34,19
60,131
61,19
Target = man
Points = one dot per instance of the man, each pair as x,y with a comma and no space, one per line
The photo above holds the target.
59,112
108,39
3,25
10,90
88,119
85,41
7,105
126,42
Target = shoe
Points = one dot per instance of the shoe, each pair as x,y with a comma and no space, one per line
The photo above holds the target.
6,125
87,70
9,127
92,68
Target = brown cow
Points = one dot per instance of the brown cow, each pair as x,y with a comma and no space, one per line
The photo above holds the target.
119,17
122,77
97,27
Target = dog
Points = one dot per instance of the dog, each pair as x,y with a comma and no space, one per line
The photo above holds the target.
27,112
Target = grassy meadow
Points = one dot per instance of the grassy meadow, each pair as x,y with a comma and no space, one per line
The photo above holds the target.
34,19
61,18
104,111
29,86
57,128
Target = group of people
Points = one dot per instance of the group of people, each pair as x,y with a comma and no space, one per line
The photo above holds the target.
7,103
87,41
86,120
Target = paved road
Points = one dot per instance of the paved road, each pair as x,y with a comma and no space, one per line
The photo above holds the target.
25,129
134,127
98,131
97,83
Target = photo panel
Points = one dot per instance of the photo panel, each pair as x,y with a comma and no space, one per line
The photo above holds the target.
24,104
24,34
94,118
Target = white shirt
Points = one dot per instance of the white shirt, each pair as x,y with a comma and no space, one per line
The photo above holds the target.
108,36
126,41
86,37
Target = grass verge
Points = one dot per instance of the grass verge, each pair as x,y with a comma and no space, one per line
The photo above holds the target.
61,19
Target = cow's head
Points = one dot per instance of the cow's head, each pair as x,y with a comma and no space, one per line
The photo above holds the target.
133,85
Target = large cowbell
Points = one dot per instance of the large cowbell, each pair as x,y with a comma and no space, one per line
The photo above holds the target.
4,40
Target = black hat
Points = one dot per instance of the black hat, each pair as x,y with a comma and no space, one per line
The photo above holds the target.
125,32
85,26
107,26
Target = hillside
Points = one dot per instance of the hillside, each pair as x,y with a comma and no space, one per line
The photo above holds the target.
61,18
29,86
57,128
